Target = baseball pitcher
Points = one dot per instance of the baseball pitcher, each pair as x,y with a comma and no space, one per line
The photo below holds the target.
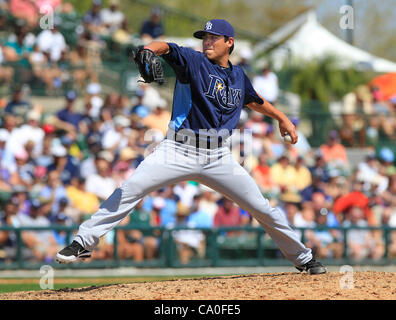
209,95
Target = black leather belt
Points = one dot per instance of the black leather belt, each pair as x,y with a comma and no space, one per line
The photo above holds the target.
201,143
197,141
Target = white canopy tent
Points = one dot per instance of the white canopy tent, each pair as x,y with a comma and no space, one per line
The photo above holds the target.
305,39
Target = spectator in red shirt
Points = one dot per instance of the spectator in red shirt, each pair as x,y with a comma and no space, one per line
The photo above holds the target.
333,151
262,174
227,215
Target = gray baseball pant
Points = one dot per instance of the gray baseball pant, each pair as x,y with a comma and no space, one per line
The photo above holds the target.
172,162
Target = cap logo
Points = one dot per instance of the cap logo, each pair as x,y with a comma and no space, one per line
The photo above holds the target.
208,25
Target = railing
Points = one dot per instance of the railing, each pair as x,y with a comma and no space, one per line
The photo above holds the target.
250,247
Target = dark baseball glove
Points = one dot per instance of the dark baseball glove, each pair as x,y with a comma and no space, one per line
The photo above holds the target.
149,64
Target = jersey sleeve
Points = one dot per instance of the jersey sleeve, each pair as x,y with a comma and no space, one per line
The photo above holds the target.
250,94
180,58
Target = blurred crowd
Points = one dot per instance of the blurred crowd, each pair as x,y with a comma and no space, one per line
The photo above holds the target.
47,44
57,168
368,116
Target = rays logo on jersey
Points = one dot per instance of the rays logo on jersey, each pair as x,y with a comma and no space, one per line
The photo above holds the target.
217,90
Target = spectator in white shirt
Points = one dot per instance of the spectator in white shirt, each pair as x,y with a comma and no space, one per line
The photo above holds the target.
116,138
8,168
266,85
29,131
111,16
208,201
42,243
93,97
101,183
52,43
303,147
186,190
88,166
369,173
361,243
6,72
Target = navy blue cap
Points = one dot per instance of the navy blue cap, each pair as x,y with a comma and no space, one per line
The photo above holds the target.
63,201
71,95
61,217
219,27
36,203
66,140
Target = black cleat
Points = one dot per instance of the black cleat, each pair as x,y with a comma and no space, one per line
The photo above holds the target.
312,267
72,253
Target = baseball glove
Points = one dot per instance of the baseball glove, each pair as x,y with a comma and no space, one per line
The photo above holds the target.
149,64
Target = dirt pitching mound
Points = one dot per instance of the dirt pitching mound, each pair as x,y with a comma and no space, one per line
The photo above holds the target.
274,286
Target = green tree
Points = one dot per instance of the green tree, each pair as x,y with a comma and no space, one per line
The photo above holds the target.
322,80
318,83
255,16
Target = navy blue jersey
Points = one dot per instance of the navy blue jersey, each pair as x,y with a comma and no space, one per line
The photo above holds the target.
207,96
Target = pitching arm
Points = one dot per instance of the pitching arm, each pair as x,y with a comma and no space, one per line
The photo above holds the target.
158,47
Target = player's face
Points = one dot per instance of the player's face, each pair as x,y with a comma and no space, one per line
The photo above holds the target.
215,46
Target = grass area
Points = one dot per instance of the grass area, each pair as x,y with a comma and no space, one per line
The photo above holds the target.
5,288
32,284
